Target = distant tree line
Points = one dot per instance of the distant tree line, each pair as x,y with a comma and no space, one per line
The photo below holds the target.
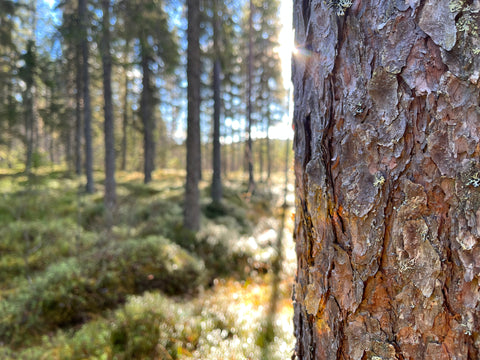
104,84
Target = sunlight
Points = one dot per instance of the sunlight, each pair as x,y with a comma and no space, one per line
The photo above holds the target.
286,41
51,3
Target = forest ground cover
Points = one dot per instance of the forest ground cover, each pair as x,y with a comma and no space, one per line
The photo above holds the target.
145,289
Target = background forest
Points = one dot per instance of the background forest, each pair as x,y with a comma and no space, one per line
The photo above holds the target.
43,82
144,161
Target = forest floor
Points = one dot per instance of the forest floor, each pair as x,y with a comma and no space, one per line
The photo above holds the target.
70,288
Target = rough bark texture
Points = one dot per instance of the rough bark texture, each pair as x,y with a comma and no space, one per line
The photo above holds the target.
110,185
387,179
87,110
192,195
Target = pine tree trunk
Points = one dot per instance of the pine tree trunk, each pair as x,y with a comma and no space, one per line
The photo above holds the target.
146,112
110,185
217,160
192,195
249,151
29,119
269,147
78,112
123,165
87,111
387,172
29,96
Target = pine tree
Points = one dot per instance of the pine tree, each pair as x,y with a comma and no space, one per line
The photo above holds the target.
146,24
192,195
110,186
387,180
87,111
217,161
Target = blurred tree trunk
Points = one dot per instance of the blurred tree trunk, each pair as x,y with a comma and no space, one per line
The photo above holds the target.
28,75
192,195
110,186
269,147
123,165
87,111
387,171
78,111
217,160
146,111
251,180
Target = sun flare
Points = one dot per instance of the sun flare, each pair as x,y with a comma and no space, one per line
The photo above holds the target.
286,40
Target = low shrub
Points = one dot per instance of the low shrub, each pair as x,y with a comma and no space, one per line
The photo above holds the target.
31,246
68,292
150,326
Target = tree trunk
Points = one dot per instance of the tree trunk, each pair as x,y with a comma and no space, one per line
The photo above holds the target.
387,222
146,112
251,181
87,111
192,195
29,98
217,160
78,112
269,147
233,152
29,120
123,165
110,186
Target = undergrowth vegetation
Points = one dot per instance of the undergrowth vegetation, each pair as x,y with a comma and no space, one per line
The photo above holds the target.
146,288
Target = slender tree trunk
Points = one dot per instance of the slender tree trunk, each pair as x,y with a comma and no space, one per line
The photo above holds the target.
28,76
146,112
10,123
29,119
232,154
217,160
123,165
78,111
192,195
163,140
251,181
67,141
87,111
261,153
387,171
110,185
268,144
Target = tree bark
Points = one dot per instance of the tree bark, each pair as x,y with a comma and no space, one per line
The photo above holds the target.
192,195
146,111
387,221
217,160
110,185
87,111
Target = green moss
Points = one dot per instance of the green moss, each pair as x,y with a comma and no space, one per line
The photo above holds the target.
69,291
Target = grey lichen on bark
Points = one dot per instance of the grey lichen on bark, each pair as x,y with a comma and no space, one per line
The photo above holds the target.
387,229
